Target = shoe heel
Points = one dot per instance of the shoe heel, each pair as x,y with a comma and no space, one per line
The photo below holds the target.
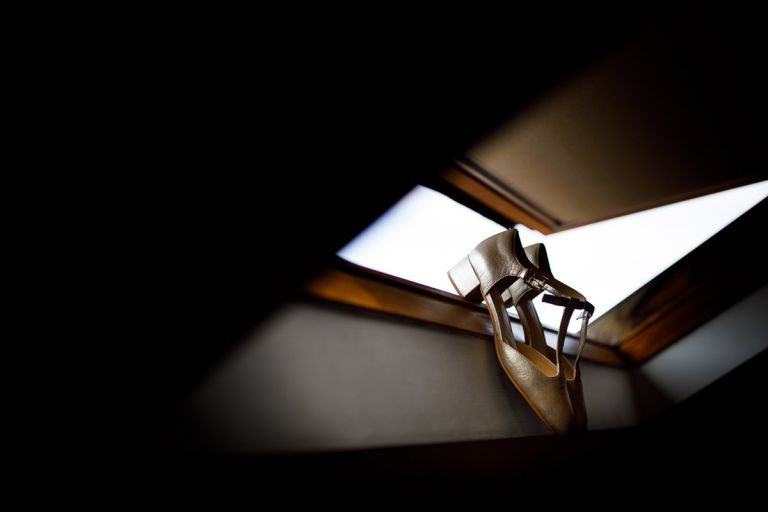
464,279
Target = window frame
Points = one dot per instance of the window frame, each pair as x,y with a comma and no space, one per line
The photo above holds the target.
353,285
660,313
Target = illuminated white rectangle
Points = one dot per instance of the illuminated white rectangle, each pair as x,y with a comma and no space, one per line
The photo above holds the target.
426,233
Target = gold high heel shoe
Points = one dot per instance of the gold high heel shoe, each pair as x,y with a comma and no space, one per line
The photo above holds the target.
520,295
487,273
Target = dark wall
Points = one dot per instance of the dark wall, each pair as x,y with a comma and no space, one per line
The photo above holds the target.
317,377
711,351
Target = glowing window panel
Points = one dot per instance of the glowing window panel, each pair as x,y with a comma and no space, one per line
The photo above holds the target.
426,233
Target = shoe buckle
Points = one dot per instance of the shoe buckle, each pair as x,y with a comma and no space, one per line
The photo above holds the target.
531,279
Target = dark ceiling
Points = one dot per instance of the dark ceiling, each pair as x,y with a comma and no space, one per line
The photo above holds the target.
671,114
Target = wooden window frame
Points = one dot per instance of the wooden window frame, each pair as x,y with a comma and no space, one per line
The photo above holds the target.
346,283
677,301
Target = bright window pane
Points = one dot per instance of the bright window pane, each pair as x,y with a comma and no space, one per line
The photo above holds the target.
426,233
420,238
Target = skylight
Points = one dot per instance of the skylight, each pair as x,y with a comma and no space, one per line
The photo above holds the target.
426,233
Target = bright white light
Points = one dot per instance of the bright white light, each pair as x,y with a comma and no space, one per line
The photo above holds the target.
420,238
607,261
426,233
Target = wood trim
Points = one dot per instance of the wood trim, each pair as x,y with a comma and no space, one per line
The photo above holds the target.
496,199
363,288
707,281
676,320
483,186
692,194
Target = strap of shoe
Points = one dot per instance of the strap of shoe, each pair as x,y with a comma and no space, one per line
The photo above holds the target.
569,301
571,305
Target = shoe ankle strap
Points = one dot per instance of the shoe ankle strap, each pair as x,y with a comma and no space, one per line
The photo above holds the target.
569,301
